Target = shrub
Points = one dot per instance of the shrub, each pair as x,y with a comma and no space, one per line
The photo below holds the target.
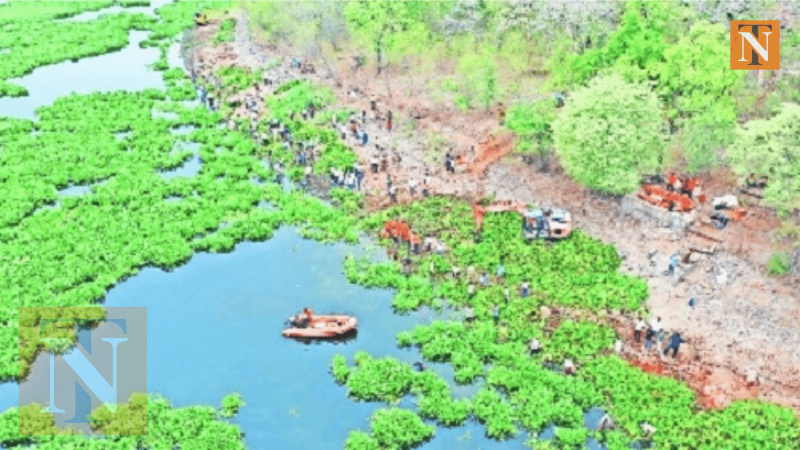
779,264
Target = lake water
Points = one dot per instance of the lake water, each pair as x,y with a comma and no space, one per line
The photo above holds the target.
214,324
214,327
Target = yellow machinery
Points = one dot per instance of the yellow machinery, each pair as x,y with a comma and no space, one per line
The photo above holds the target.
200,19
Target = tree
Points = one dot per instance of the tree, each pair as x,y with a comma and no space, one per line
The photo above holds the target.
695,83
584,23
610,134
467,17
479,71
315,28
645,32
532,124
771,148
379,24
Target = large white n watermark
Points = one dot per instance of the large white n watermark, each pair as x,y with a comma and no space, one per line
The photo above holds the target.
106,392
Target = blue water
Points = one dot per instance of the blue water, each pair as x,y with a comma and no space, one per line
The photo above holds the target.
214,327
122,70
126,69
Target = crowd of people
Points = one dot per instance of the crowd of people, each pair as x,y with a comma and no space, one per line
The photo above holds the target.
306,153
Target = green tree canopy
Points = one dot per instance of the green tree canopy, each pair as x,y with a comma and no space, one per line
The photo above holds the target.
697,86
610,134
384,25
772,148
532,123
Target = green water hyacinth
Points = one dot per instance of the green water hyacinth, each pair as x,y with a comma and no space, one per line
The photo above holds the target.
231,404
144,422
498,415
580,339
121,143
31,38
387,380
392,429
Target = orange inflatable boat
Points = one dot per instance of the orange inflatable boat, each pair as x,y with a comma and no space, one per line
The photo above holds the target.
322,327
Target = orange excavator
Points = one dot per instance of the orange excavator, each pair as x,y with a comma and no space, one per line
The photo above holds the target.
536,223
679,194
399,230
669,200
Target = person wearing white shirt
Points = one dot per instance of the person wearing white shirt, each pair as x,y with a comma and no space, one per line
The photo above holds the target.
535,346
656,325
569,367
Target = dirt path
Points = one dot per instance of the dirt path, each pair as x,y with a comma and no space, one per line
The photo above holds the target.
742,318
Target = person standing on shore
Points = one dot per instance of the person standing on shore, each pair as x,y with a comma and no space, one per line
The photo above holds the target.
373,163
308,171
448,163
389,121
648,338
638,328
359,173
412,186
675,342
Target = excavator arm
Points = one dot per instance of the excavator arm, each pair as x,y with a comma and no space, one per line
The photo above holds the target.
478,211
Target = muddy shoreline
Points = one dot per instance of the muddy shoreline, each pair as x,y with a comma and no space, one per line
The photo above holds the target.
742,319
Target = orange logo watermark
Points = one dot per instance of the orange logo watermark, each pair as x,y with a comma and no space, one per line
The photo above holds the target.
755,45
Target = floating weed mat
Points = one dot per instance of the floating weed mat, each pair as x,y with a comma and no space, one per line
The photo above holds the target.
392,429
127,222
33,39
580,272
143,422
525,392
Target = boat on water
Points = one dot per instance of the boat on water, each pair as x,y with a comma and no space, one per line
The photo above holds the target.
320,327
